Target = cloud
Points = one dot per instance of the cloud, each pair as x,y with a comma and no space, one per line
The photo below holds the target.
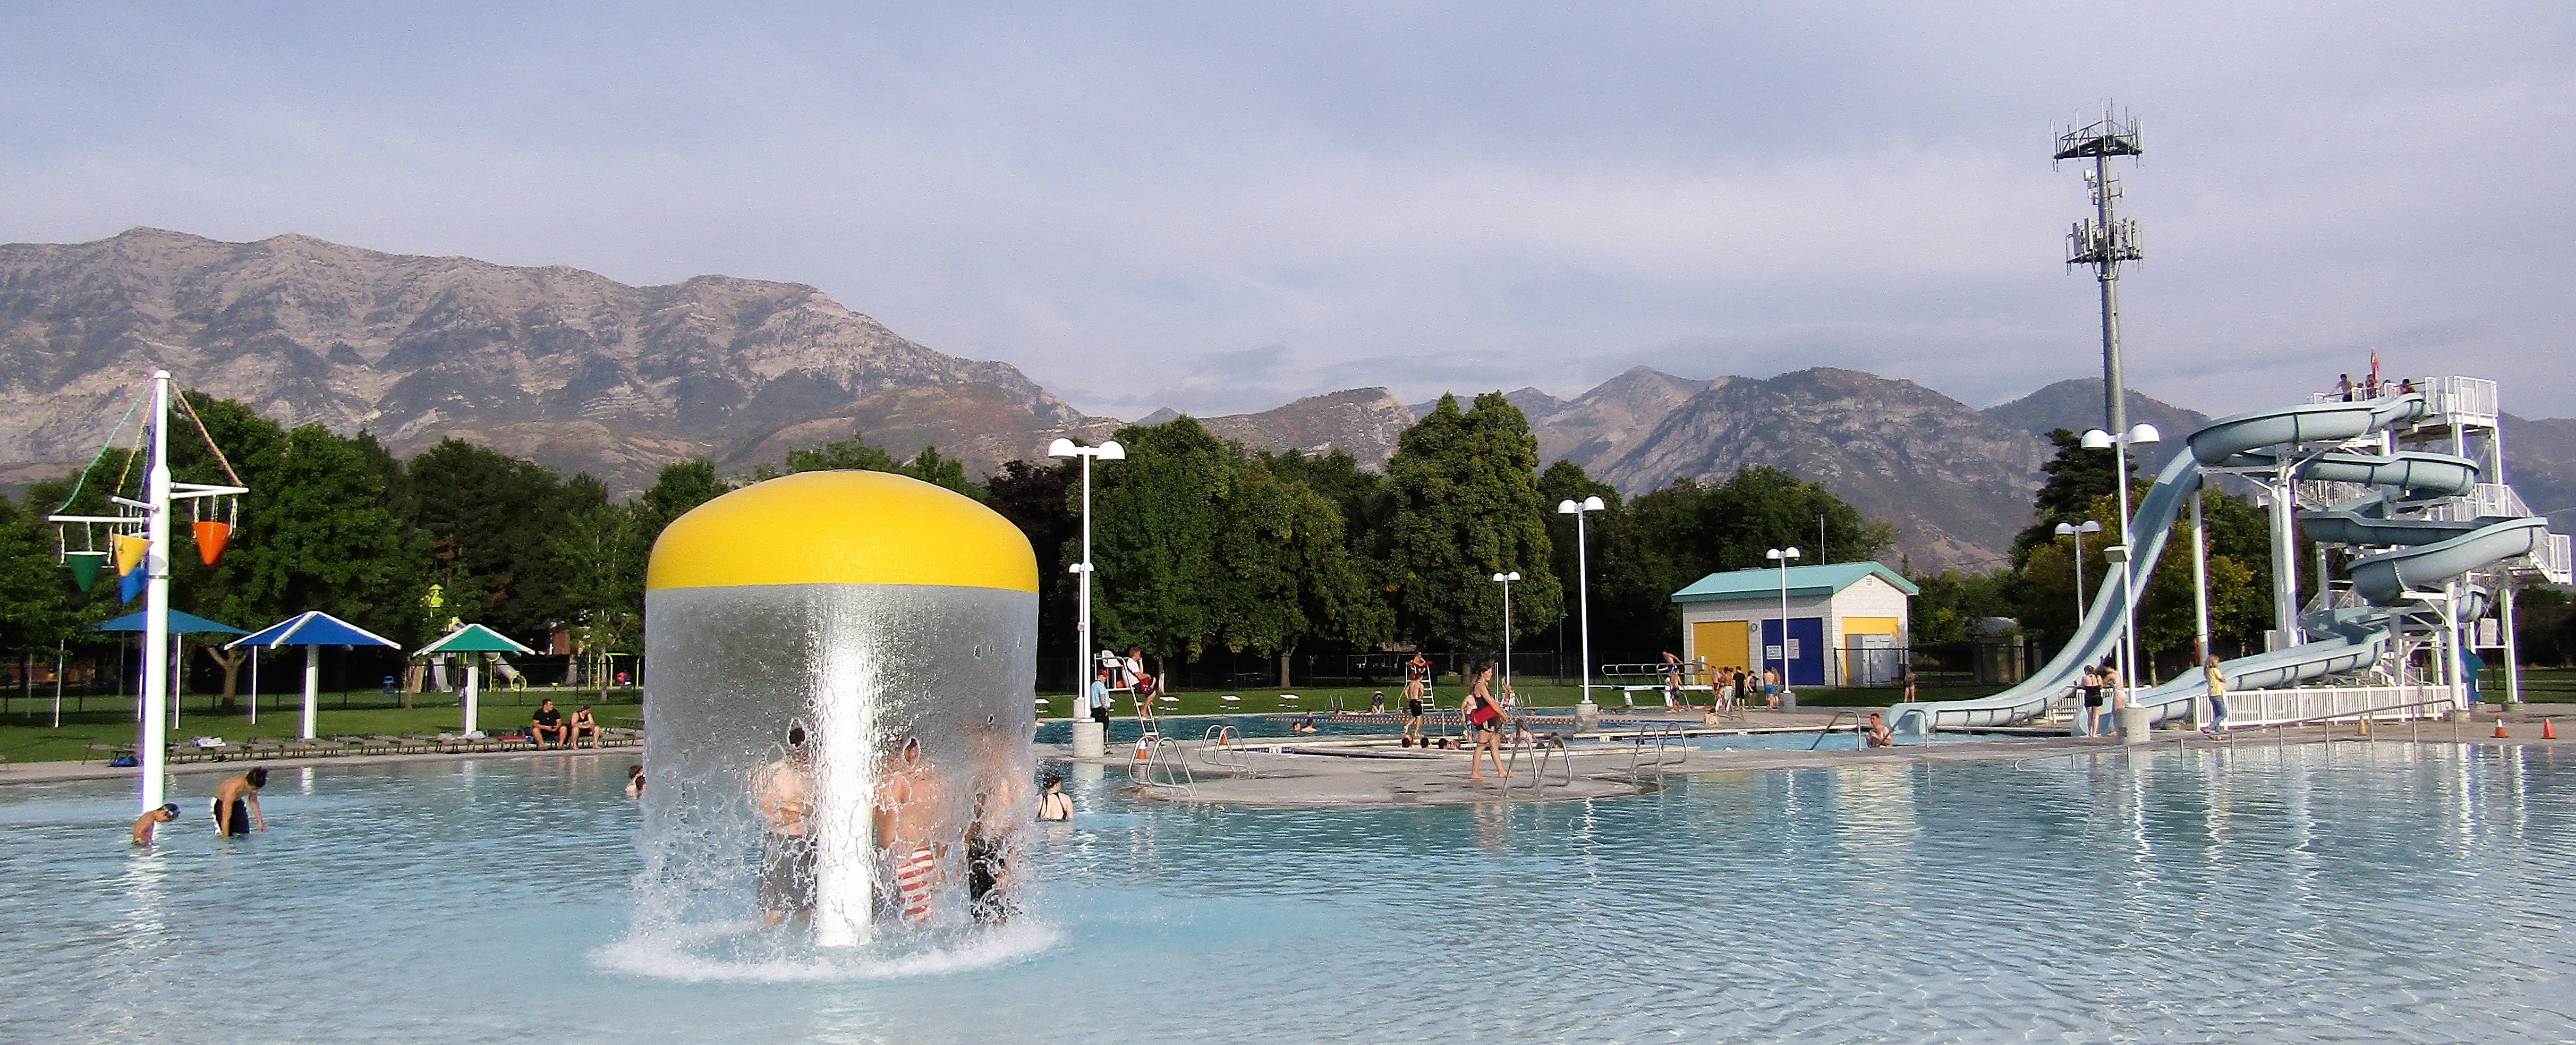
1218,208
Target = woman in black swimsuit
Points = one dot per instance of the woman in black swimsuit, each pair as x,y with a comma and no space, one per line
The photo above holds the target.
2092,690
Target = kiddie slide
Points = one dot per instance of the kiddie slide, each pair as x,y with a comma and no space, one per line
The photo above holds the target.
2340,640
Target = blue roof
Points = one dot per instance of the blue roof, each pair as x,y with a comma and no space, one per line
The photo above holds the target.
180,624
313,628
1803,581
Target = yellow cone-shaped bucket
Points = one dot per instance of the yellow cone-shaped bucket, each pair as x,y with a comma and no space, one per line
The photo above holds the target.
129,552
890,624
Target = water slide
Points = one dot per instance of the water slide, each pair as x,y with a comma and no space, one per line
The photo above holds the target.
2341,640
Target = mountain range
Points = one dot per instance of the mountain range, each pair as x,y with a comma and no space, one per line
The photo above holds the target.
580,372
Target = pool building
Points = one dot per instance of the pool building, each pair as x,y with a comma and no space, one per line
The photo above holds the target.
1847,622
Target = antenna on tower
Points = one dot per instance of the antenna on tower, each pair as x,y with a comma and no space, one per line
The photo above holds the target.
2105,240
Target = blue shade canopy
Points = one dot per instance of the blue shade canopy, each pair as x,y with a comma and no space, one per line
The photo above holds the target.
312,628
180,624
472,638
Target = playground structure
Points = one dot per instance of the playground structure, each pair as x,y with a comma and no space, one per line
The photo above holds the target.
2411,486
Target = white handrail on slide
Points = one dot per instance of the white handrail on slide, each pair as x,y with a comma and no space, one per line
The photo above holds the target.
2346,640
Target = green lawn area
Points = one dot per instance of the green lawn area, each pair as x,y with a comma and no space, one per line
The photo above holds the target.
26,733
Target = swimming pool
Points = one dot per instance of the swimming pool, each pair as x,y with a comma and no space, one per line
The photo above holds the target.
2301,894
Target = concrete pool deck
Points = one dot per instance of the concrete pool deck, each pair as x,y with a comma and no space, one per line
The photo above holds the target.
1342,773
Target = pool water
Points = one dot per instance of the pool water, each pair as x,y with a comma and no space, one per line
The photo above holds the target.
2258,894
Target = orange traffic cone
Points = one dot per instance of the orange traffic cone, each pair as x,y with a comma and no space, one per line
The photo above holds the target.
2548,729
2500,730
1140,750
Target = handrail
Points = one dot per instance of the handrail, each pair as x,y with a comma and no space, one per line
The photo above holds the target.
1666,735
1216,742
1541,748
1837,720
2365,715
1169,755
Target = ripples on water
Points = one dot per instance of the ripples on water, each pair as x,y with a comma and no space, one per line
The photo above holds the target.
2306,894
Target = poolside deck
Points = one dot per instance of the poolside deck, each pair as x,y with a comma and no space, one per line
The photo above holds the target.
1329,773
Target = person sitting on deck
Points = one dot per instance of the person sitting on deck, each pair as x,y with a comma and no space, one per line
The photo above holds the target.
1877,734
547,725
582,725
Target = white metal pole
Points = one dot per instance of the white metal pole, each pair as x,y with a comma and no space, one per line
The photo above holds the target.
178,671
473,681
149,753
2200,576
312,688
1583,582
2079,580
2128,579
58,684
1784,620
254,685
2200,604
1507,634
2513,647
1082,631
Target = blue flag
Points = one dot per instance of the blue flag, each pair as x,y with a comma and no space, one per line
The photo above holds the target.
130,587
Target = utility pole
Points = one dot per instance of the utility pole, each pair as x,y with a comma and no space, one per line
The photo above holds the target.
2104,241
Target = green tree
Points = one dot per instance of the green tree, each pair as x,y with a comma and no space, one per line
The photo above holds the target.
1039,499
1284,573
1156,520
487,517
2077,481
1632,577
1466,506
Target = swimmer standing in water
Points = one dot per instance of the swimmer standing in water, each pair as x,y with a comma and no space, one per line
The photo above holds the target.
908,832
237,804
144,825
787,853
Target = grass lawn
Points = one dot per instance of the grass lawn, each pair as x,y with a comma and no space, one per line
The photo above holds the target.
29,737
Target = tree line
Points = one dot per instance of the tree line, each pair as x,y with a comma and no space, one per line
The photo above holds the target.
1201,546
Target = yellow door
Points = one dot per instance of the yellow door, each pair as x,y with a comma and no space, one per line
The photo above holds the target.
1722,643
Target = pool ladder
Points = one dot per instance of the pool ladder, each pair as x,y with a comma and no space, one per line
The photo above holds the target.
1222,748
1672,747
1838,718
1166,765
1541,748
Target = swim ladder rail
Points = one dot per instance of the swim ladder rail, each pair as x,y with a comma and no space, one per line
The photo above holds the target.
1222,740
1668,737
1167,755
1837,720
1541,747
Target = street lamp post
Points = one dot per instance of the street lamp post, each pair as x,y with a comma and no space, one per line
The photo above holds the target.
2097,439
2078,532
1583,588
1106,451
1782,556
1506,579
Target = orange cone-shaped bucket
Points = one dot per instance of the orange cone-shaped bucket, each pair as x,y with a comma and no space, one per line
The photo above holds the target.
211,539
129,552
85,567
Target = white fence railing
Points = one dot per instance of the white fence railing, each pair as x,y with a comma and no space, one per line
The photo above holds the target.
2263,707
2489,499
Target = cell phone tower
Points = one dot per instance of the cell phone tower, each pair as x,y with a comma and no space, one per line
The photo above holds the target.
2104,240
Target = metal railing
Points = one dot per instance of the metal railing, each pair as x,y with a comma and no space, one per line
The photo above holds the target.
1669,740
1221,748
1171,760
2263,707
1540,748
1828,729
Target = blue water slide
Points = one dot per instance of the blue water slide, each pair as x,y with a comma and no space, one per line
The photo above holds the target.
2219,442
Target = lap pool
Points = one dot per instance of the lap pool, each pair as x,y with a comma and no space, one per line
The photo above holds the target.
2308,893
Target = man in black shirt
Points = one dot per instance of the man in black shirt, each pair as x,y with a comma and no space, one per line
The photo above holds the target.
547,725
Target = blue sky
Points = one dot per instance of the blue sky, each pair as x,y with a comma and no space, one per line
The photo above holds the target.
1217,207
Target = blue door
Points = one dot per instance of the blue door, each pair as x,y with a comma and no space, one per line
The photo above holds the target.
1806,652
